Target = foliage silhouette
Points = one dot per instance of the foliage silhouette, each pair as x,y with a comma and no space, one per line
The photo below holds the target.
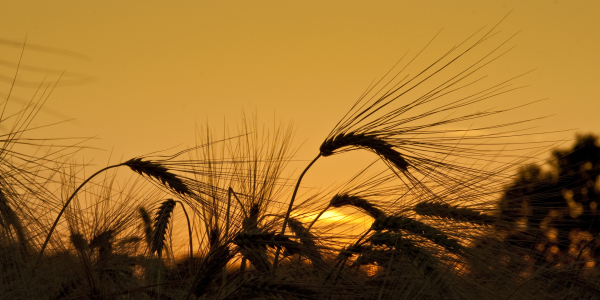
554,212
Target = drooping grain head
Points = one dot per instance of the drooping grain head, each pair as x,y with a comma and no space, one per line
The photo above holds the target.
351,251
159,172
79,242
9,218
301,232
103,243
418,228
147,223
267,239
455,213
307,239
250,223
358,202
362,141
213,266
161,222
393,240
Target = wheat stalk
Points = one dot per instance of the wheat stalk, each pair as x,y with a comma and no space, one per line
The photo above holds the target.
264,239
456,213
189,229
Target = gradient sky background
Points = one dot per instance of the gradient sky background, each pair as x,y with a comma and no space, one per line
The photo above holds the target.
141,74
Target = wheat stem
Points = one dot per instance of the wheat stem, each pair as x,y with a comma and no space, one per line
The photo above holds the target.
228,212
287,214
318,216
189,230
231,192
65,207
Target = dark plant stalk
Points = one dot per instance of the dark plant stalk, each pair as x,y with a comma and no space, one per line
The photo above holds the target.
228,211
287,214
318,216
189,230
231,192
65,207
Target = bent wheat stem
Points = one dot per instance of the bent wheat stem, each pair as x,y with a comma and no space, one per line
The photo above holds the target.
65,207
287,214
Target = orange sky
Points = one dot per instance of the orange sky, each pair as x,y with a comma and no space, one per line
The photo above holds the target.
141,74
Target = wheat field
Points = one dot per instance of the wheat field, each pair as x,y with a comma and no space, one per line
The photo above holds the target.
226,220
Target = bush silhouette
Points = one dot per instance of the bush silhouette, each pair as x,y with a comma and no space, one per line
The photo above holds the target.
554,212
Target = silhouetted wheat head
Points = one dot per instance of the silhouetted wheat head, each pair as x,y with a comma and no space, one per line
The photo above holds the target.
158,172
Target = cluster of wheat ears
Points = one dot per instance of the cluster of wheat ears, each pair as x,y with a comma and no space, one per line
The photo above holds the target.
223,221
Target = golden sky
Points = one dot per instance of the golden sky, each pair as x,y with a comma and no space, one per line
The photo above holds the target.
140,75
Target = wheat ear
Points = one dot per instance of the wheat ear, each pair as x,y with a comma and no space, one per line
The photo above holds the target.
161,222
213,264
264,239
421,257
147,223
358,202
82,247
103,242
157,171
395,240
421,229
446,211
307,239
8,215
370,142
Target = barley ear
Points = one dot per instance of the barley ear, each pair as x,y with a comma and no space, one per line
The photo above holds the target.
79,242
363,141
157,171
358,202
9,218
413,226
212,266
307,239
455,213
161,222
